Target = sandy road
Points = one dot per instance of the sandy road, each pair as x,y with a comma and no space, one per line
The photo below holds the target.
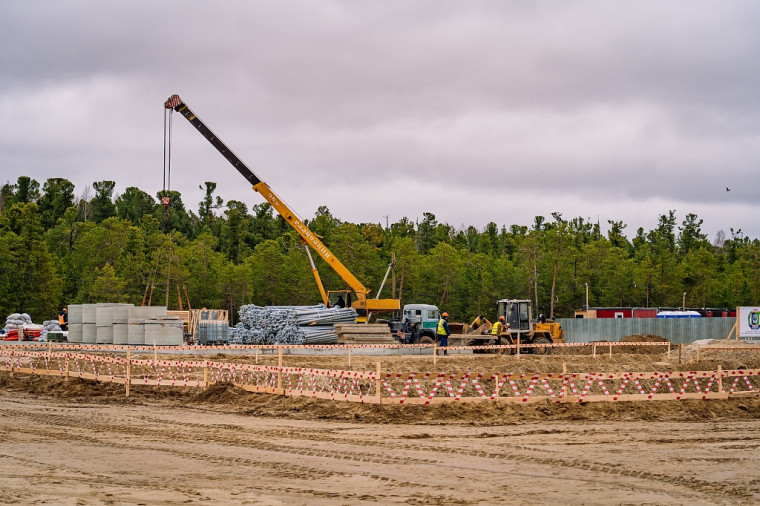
71,452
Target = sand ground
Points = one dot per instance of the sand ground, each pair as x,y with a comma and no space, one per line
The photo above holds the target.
81,442
72,452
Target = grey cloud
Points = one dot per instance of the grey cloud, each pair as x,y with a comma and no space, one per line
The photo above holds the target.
609,108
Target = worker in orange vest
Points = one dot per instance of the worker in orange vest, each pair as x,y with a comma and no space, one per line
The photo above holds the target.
63,319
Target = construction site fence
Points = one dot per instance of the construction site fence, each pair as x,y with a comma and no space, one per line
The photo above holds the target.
272,348
675,330
382,387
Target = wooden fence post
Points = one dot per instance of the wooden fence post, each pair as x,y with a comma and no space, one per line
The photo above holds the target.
668,350
66,362
698,350
205,374
720,379
13,362
349,357
378,383
128,375
279,369
680,345
593,350
435,353
155,352
256,350
610,350
518,345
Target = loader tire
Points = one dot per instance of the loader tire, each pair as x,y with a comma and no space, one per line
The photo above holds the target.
475,343
482,343
541,340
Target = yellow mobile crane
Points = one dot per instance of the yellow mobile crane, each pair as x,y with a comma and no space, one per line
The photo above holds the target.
362,303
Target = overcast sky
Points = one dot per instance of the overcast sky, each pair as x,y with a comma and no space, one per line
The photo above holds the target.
475,111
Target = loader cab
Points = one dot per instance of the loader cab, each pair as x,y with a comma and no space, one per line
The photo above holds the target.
517,313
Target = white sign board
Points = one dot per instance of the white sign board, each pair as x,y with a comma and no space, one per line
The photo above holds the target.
748,322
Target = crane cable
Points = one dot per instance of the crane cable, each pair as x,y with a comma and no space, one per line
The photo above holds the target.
165,199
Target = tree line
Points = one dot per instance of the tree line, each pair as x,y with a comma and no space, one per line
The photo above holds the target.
57,248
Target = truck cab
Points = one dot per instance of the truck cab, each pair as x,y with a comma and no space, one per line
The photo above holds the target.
418,323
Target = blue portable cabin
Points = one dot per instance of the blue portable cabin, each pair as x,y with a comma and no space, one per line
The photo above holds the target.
679,314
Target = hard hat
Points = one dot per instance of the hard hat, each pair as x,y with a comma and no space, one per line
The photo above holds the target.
501,318
445,315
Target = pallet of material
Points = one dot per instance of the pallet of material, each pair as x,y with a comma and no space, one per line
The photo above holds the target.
184,316
363,333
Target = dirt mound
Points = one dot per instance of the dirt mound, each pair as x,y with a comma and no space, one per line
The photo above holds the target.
644,338
225,397
643,350
222,393
59,387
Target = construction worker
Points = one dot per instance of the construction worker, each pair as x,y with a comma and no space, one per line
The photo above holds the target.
443,331
63,319
497,329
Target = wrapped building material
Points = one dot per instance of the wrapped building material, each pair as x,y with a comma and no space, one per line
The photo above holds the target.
17,320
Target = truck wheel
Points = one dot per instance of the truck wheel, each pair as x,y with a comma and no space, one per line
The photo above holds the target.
425,340
541,340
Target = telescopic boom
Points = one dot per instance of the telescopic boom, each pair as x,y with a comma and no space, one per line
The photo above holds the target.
362,302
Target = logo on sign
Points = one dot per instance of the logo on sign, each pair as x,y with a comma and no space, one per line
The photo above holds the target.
753,319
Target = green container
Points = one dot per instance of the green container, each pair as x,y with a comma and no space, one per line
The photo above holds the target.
55,336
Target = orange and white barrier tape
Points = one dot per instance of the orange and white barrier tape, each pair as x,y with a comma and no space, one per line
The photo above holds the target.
262,347
420,387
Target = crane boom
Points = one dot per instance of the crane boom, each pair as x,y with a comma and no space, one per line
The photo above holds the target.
175,102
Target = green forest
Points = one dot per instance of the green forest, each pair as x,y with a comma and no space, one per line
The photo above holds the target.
57,249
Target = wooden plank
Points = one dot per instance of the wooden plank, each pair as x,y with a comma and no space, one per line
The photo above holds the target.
362,325
369,339
365,341
365,334
358,332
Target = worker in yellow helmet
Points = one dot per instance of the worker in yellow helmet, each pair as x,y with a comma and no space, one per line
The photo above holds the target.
443,331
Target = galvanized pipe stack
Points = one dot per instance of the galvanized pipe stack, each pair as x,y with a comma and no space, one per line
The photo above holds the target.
289,324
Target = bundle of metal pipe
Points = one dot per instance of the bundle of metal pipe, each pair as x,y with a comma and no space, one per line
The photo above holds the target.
289,324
